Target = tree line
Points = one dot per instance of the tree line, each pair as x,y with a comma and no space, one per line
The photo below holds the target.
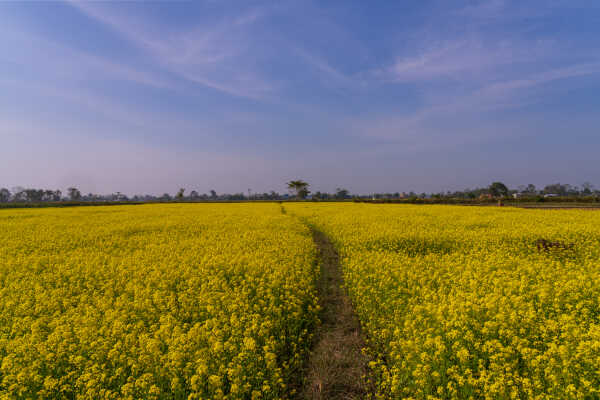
299,190
73,194
499,189
494,190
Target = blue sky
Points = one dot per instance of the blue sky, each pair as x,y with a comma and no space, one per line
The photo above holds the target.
147,97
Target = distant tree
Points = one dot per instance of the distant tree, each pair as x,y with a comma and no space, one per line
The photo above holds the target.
588,188
74,193
194,195
48,195
4,195
299,188
165,197
116,197
572,190
213,194
341,194
556,188
179,195
35,195
498,189
530,189
19,194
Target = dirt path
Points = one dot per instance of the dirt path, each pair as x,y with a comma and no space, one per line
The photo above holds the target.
336,369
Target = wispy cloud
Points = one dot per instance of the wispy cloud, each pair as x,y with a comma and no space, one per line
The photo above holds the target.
423,127
463,58
290,89
216,56
485,9
465,76
106,108
67,63
571,71
330,75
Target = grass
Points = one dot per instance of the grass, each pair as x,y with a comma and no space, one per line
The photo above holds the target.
337,368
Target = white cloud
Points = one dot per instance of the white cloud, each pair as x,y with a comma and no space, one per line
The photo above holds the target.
459,116
58,61
465,59
544,77
219,56
331,75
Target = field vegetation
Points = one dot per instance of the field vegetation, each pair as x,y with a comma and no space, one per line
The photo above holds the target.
154,302
463,303
221,301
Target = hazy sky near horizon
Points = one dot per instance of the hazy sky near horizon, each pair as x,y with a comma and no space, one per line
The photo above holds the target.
150,96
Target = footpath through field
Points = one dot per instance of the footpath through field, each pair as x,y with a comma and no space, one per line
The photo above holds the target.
337,368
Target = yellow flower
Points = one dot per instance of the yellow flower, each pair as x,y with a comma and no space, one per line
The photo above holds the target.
460,303
154,301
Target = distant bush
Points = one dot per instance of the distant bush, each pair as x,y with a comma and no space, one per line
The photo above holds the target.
484,201
67,204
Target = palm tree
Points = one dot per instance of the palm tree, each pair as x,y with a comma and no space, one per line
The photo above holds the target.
299,187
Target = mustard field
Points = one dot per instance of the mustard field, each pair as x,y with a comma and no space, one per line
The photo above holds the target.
153,302
459,302
220,301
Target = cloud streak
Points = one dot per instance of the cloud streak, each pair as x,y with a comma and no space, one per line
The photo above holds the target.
465,59
212,56
418,127
297,87
67,63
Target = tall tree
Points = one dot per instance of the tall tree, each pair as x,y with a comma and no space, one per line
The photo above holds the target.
74,193
179,195
531,189
19,194
557,188
299,188
4,195
341,193
48,195
34,194
498,189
